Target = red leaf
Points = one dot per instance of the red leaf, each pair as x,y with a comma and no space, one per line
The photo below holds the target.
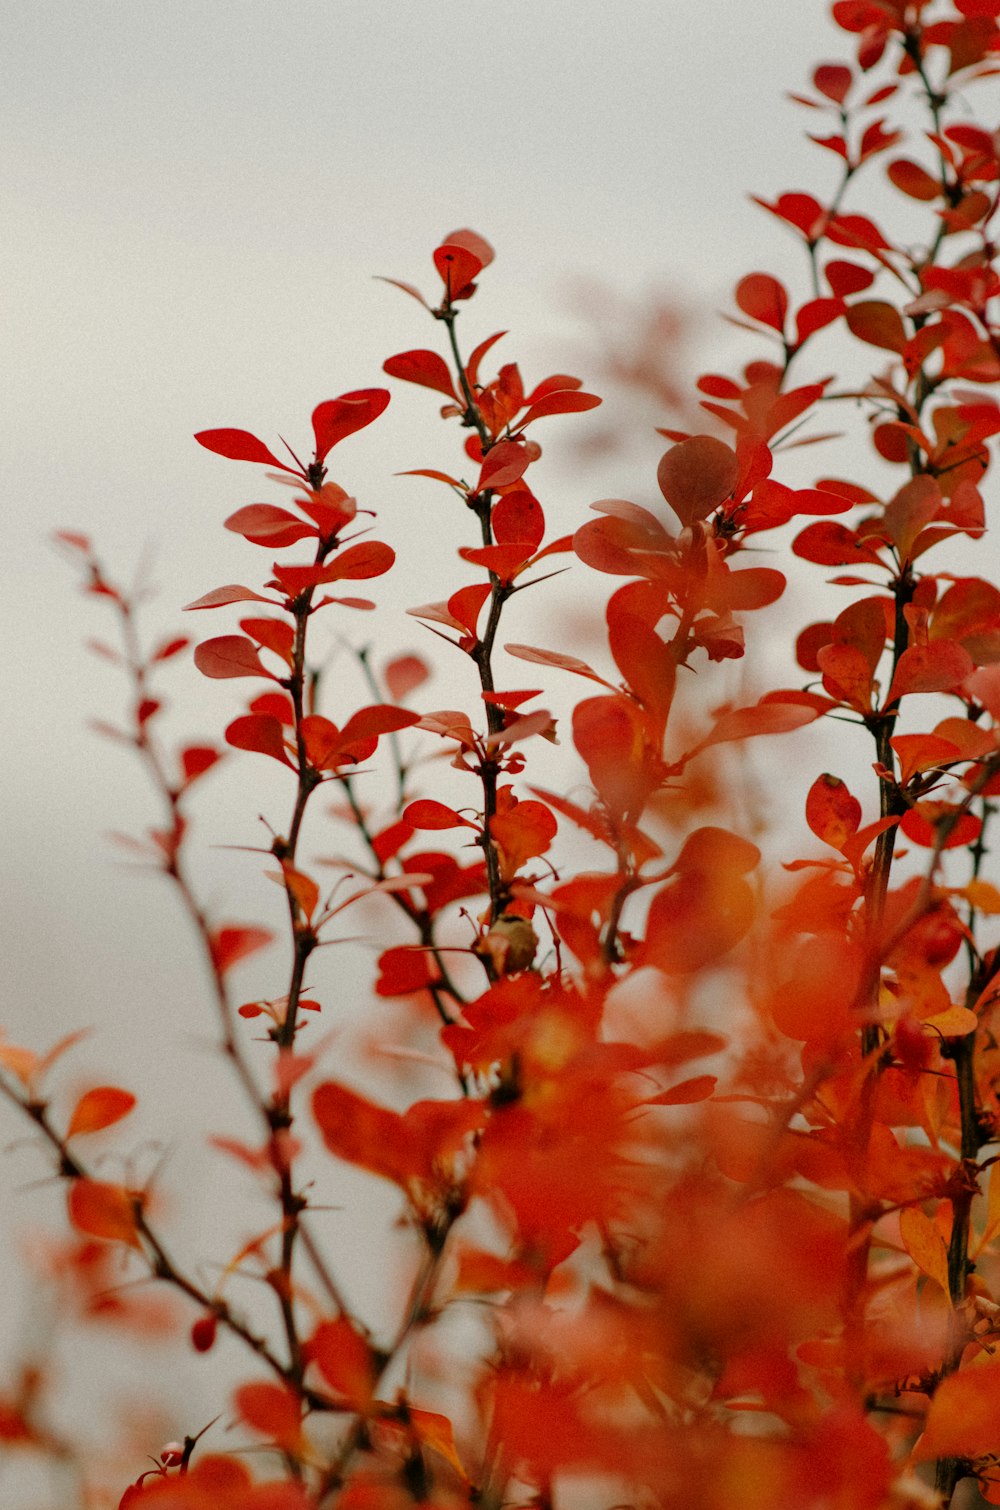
910,178
403,971
556,658
340,417
698,1088
831,544
962,1419
696,476
261,733
104,1211
371,723
427,814
425,368
404,674
230,945
562,401
878,323
763,298
834,80
230,655
272,1410
831,812
848,278
458,267
518,518
358,1131
505,463
197,759
170,648
370,558
345,1360
220,596
936,667
264,524
764,718
239,445
99,1108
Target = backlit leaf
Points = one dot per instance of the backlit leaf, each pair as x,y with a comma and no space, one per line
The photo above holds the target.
340,417
272,1410
963,1414
232,944
831,812
345,1360
103,1210
925,1245
99,1108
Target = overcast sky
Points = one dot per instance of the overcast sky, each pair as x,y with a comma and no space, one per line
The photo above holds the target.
196,200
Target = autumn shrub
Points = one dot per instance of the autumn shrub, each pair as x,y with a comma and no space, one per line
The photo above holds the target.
707,1215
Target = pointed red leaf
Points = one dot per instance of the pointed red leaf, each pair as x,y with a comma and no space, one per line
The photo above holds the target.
698,1088
220,596
562,401
240,445
230,945
339,417
425,368
264,524
428,814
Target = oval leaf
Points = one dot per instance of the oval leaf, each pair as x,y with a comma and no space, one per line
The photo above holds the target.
99,1108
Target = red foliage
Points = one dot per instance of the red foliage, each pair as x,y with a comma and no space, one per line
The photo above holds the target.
717,1135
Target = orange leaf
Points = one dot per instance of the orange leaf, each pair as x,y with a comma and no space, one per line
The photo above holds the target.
698,1088
103,1210
925,1245
362,1133
345,1360
273,1411
831,812
436,1432
963,1415
99,1108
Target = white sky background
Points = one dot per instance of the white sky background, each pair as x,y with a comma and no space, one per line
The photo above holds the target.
196,198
